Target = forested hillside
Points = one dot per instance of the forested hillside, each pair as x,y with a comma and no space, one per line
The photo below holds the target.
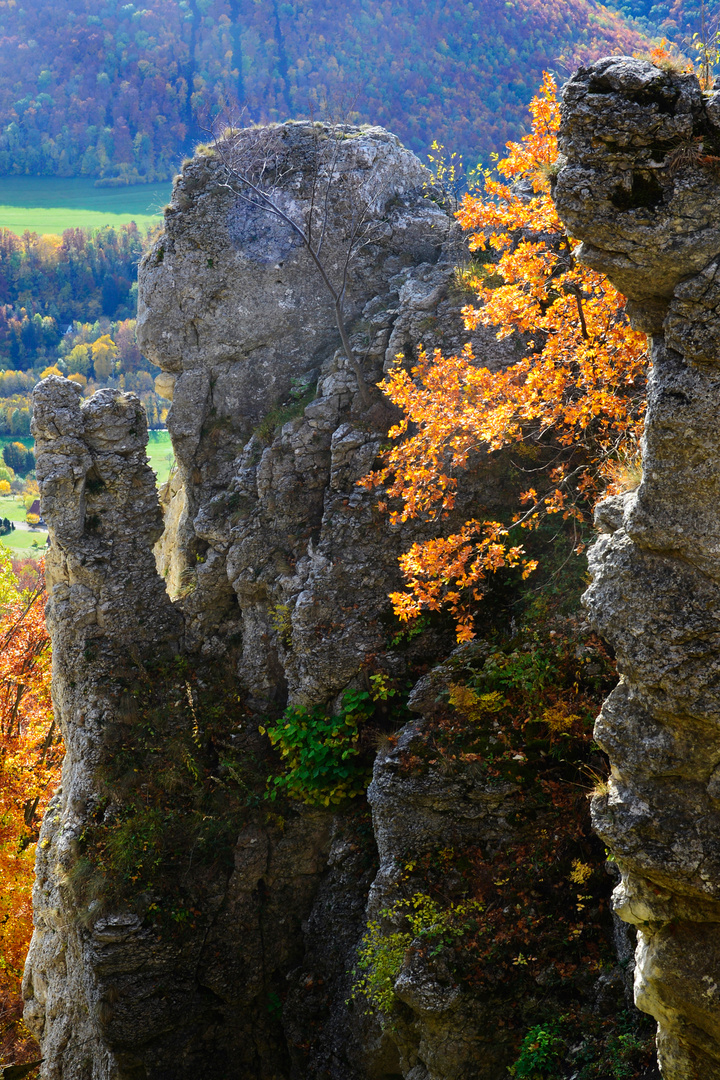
675,19
120,91
67,305
79,275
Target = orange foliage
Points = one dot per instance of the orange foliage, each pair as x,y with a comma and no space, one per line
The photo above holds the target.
577,391
30,756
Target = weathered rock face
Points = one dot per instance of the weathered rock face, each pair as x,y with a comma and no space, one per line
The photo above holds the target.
279,570
232,308
639,187
106,598
106,995
443,1032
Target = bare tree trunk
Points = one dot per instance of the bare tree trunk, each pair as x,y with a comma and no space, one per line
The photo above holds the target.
354,362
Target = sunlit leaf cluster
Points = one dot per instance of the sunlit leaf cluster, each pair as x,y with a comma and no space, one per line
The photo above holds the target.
576,396
30,758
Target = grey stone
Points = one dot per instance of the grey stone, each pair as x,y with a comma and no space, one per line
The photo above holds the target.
275,564
639,189
442,1033
643,223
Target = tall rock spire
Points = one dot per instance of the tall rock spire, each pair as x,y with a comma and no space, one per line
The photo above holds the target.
640,152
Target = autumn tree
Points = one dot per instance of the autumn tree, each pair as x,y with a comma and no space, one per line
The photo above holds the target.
30,756
104,353
79,360
578,391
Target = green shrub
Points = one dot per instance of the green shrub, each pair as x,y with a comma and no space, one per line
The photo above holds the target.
321,754
380,958
409,630
602,1049
622,1052
541,1052
625,1054
281,621
432,928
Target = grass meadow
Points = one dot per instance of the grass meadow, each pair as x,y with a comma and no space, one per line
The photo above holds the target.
51,204
26,542
160,454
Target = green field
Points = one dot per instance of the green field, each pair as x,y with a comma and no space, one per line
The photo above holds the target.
160,454
50,204
21,541
25,543
12,508
159,451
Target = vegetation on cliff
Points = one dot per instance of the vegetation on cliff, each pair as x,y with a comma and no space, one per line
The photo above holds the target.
326,758
526,922
30,757
579,389
183,769
523,923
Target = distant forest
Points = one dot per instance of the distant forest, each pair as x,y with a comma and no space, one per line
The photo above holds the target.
119,91
67,307
675,19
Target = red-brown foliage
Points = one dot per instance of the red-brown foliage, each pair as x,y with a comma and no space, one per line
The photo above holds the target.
30,758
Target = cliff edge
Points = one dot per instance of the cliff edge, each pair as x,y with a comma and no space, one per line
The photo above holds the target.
638,186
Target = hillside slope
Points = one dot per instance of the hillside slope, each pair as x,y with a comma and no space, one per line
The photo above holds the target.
119,91
675,19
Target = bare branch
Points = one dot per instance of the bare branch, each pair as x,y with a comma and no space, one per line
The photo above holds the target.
257,172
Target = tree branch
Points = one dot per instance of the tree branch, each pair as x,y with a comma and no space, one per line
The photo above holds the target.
249,176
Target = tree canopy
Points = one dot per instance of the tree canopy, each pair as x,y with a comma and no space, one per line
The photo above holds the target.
578,392
30,758
120,91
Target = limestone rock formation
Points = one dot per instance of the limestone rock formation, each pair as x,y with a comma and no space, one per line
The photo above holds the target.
106,598
227,953
273,568
232,309
639,187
